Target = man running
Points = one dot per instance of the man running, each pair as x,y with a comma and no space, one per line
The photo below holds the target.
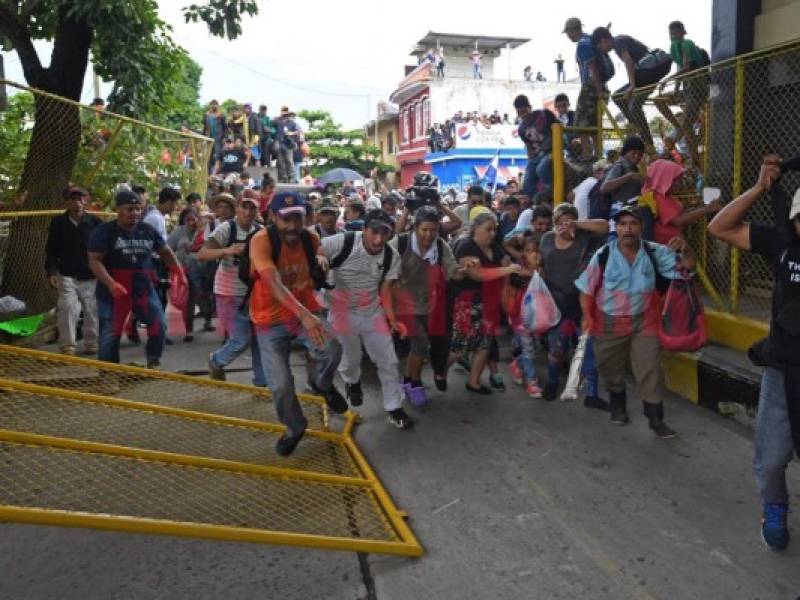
283,308
121,258
362,311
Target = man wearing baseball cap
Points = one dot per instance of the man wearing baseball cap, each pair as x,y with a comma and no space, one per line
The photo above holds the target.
67,266
121,258
365,267
226,245
326,215
283,307
286,139
621,305
777,435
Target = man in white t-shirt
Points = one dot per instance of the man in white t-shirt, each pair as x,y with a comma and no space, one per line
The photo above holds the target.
581,192
364,270
226,245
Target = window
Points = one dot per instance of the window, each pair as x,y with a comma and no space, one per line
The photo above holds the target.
390,143
405,131
426,115
418,125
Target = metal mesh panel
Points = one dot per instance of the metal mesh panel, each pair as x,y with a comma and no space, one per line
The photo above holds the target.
75,450
144,385
48,142
48,478
139,428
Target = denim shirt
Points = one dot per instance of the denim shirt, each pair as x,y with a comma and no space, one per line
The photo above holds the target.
627,289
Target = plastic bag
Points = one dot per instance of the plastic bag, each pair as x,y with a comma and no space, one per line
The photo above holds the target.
683,322
539,310
178,291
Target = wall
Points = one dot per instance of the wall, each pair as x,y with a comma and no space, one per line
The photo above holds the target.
778,22
448,96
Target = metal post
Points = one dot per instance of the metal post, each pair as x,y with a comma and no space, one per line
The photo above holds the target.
598,136
738,134
557,134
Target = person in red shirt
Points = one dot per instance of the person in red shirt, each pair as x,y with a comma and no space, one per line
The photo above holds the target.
283,307
664,180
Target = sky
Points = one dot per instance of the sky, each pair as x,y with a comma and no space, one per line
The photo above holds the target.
346,56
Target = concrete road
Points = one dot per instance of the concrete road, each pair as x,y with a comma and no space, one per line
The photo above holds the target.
511,498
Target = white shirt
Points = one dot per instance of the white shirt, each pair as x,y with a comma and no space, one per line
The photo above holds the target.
581,201
432,255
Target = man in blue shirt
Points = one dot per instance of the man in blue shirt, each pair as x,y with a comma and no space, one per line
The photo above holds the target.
621,304
121,258
591,68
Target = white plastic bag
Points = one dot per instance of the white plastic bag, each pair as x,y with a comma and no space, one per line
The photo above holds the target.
539,310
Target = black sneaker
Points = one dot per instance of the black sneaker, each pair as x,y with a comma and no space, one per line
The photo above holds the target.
661,429
215,372
400,419
355,396
550,392
333,398
168,342
153,362
287,444
134,338
596,402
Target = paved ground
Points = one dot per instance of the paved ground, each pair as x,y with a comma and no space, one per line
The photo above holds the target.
511,498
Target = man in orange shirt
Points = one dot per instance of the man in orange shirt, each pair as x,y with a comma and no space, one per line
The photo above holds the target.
283,307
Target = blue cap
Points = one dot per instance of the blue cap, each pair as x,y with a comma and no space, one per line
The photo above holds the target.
286,203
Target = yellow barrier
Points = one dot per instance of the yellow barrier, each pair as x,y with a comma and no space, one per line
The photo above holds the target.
724,118
51,141
92,444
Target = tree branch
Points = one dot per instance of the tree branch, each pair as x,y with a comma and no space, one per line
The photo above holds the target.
15,31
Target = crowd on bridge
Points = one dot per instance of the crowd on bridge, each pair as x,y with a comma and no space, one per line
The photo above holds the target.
425,276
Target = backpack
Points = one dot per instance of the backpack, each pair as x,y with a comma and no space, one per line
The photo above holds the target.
347,249
402,246
662,283
682,327
599,203
705,59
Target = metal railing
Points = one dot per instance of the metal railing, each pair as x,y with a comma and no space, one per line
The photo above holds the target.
724,118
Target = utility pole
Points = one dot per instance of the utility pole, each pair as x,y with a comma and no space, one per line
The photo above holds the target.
96,79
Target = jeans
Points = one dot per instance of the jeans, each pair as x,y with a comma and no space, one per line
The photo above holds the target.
74,295
236,320
476,71
274,343
773,439
527,356
539,170
285,164
559,344
112,315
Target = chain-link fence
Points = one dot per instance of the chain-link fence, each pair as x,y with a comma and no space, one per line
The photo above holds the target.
48,142
722,120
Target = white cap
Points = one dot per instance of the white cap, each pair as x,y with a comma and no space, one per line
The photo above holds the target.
795,209
372,203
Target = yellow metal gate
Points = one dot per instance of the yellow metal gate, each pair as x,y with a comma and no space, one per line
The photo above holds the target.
90,444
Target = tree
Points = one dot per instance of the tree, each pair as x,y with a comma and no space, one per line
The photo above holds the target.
131,46
333,147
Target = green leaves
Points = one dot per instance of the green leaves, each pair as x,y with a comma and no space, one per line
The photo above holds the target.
223,17
332,147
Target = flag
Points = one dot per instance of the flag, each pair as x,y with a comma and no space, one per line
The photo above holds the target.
492,176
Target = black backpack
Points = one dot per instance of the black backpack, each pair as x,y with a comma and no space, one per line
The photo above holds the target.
662,283
705,59
317,275
402,246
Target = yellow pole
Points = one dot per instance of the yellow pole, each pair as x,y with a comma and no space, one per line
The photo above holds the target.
738,135
557,132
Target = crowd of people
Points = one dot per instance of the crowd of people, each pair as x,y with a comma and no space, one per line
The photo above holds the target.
414,277
244,137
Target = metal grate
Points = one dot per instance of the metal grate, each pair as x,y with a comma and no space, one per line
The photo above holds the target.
76,450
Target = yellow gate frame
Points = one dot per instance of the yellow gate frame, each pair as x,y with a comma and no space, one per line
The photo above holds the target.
338,505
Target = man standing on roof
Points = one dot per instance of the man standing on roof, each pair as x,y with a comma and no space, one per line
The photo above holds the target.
283,307
364,269
621,305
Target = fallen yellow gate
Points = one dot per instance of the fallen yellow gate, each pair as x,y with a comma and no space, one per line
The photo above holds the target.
91,444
